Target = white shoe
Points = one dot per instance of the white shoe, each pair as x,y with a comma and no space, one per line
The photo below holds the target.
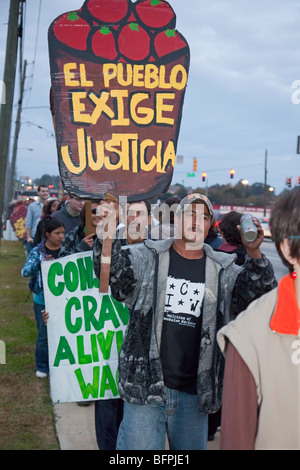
40,374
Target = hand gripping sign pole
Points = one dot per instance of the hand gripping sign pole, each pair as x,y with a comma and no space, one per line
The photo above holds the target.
119,72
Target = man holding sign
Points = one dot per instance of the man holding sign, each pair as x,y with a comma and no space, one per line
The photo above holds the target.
179,293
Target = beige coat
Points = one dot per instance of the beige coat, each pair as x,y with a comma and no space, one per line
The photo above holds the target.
273,358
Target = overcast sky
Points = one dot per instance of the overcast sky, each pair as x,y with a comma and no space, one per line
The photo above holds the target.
245,56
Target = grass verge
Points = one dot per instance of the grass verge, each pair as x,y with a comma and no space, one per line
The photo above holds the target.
26,411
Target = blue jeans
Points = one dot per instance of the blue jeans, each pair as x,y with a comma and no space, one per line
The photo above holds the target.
144,427
41,348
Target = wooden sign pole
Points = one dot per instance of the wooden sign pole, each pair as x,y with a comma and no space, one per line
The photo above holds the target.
105,265
88,220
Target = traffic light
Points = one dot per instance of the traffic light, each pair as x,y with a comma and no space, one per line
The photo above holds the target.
204,175
195,164
232,172
289,182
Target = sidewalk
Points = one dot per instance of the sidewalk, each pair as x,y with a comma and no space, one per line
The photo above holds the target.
75,428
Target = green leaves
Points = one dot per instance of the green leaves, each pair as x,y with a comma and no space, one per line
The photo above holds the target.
170,33
134,27
105,30
72,16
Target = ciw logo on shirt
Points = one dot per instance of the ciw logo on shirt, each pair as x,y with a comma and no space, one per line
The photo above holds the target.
184,297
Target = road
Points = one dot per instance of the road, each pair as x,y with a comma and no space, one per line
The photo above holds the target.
269,249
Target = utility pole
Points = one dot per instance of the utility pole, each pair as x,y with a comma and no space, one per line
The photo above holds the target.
9,83
265,188
11,179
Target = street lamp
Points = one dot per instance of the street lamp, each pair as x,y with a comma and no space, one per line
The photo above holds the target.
244,183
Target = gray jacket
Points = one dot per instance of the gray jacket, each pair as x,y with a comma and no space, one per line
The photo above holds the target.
139,279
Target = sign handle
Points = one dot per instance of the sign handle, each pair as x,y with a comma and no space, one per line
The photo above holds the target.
106,254
88,219
105,265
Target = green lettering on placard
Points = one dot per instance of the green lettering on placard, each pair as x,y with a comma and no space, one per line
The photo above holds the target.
89,389
107,312
90,305
122,311
73,327
107,382
71,276
94,346
63,352
105,343
82,357
55,269
86,273
119,340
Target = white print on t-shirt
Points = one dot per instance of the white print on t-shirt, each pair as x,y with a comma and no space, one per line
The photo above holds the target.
184,297
296,354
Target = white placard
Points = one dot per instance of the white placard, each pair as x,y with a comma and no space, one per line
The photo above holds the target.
85,331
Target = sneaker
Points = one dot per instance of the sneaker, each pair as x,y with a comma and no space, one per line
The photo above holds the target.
40,374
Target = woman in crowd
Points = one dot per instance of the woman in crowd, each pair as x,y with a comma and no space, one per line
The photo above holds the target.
52,205
77,240
232,241
48,249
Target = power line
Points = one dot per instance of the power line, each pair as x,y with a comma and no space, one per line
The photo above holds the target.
49,133
224,169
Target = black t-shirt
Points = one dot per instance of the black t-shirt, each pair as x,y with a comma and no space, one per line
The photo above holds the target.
181,333
53,253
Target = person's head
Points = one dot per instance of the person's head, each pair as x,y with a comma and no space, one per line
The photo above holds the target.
165,212
51,206
95,217
75,204
228,227
193,219
285,227
138,217
43,192
54,231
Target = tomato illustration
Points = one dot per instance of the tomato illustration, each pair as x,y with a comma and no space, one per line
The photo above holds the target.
103,43
134,42
108,11
72,30
155,14
168,41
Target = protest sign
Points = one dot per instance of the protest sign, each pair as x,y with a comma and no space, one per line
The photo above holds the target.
85,331
119,72
17,220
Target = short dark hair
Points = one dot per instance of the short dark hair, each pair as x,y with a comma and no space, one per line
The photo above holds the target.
285,223
42,186
143,201
228,226
52,223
